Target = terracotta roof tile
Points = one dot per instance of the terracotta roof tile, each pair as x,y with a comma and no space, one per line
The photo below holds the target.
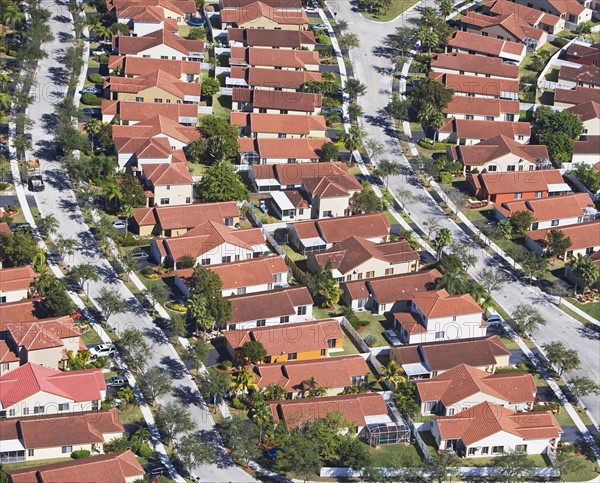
482,86
6,354
21,311
138,66
471,129
41,334
186,216
583,235
410,322
16,278
167,174
587,145
156,78
438,303
514,23
264,98
579,95
297,173
177,6
276,4
274,78
485,45
272,38
256,10
497,147
476,64
332,186
527,15
543,209
519,181
586,111
279,123
583,73
479,106
265,305
284,148
335,230
394,288
135,45
259,57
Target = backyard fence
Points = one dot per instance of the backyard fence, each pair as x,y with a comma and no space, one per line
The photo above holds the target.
353,335
422,446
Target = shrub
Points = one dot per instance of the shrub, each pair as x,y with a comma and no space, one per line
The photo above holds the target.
4,186
227,364
101,362
429,144
445,177
91,100
80,453
370,340
147,272
333,119
237,403
96,78
330,102
145,451
177,307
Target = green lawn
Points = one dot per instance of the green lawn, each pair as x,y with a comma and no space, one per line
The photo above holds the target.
429,441
591,308
509,343
588,471
222,106
397,7
131,415
196,169
348,346
90,337
293,254
377,325
394,453
484,214
391,218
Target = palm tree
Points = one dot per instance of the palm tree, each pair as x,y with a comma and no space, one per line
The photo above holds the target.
430,116
443,238
274,392
243,381
454,281
356,388
112,191
392,375
127,213
584,269
481,295
428,37
65,246
505,228
48,225
353,139
101,31
263,418
310,388
92,128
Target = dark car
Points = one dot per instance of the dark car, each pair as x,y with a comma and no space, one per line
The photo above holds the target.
36,183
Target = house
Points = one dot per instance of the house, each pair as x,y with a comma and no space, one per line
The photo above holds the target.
473,65
280,151
551,212
359,409
264,309
589,114
15,283
33,390
289,342
357,258
573,97
511,26
9,360
130,67
290,205
526,14
437,316
296,60
469,132
145,19
500,154
154,140
24,310
270,79
279,125
179,10
330,196
486,88
463,387
258,15
157,86
574,278
570,10
121,467
129,113
580,76
272,39
169,184
46,342
583,54
586,150
518,185
430,359
167,221
479,109
291,5
160,44
391,293
319,235
245,277
585,239
52,436
292,176
474,44
334,373
489,430
267,101
210,243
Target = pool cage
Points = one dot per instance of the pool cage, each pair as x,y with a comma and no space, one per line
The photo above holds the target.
386,433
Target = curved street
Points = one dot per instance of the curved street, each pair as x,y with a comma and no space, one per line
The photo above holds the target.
58,199
375,71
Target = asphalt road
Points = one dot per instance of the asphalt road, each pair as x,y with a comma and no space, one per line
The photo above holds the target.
58,199
375,72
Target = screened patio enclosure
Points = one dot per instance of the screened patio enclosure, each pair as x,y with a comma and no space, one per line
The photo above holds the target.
386,433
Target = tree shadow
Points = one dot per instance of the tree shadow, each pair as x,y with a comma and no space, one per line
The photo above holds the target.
132,305
49,122
87,244
65,37
58,180
189,397
107,274
45,150
591,332
61,19
212,438
157,335
175,367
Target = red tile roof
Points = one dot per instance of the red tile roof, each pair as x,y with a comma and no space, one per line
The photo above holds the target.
167,174
439,303
259,57
185,216
583,235
586,111
140,111
589,74
579,95
16,278
267,99
291,337
6,354
138,66
487,419
527,15
274,78
42,334
293,39
553,207
482,86
393,288
478,106
297,173
410,322
355,408
476,64
106,468
587,145
157,78
276,4
284,148
265,305
332,186
279,123
135,45
513,23
332,372
21,311
29,379
519,181
177,6
485,45
471,129
463,381
247,273
257,10
497,147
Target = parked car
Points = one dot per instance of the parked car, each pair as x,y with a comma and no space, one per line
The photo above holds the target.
140,255
493,319
335,110
320,26
102,350
90,111
392,337
36,183
119,224
311,10
90,90
116,382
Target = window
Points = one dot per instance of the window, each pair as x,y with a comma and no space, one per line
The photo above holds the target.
510,167
146,56
323,352
389,271
430,406
292,160
67,449
520,137
485,450
237,258
158,100
292,356
168,101
359,276
509,117
461,72
226,259
383,307
25,411
241,290
301,211
497,449
281,135
169,187
450,412
554,223
538,194
164,201
5,365
2,414
284,319
30,452
349,278
440,334
63,407
205,261
362,303
472,451
331,343
139,99
521,448
3,299
164,57
11,412
518,196
469,117
492,168
228,221
188,200
370,274
277,277
38,410
489,118
261,322
535,226
327,214
454,318
231,327
302,310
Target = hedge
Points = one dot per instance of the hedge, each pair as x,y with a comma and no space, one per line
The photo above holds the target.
80,453
96,78
91,100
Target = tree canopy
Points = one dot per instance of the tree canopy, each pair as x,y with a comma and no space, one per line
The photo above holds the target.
221,182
